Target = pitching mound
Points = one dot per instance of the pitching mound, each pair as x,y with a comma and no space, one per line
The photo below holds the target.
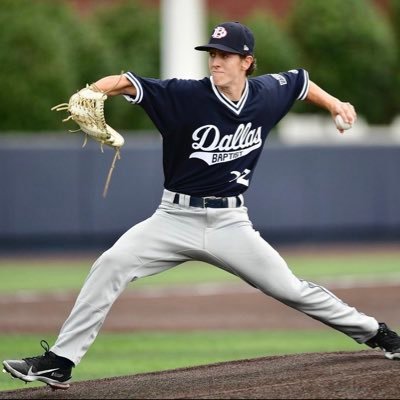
361,375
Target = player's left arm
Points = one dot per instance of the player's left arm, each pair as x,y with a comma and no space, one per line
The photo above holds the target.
321,98
115,85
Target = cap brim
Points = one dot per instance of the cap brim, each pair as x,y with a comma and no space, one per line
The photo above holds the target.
209,47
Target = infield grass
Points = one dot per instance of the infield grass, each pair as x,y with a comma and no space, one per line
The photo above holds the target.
60,274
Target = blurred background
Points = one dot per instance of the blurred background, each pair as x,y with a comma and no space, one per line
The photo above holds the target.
312,184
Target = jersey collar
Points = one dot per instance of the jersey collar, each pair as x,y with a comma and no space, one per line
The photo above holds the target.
235,107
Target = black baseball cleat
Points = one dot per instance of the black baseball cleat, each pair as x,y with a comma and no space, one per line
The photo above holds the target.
49,368
387,340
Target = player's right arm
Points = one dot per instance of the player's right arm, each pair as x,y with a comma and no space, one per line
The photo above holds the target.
321,98
115,85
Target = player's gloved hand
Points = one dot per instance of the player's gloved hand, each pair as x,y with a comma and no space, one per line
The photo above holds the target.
86,108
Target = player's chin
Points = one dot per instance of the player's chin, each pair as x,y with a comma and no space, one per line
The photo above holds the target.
218,78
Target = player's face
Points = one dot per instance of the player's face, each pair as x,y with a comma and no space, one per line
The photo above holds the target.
226,68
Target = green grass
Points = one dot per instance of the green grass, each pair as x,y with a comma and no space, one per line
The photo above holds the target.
355,265
127,354
61,275
36,275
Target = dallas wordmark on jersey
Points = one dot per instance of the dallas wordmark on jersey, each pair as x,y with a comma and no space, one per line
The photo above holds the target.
216,149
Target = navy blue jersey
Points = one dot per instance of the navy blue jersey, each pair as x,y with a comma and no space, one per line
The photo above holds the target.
211,145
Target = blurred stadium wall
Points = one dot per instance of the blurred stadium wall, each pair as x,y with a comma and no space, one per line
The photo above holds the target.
51,192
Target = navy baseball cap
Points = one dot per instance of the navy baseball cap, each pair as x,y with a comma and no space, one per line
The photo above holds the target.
232,37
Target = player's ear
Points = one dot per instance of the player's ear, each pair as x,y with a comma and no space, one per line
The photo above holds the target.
246,62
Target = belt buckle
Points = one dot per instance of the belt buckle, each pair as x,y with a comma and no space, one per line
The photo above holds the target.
214,202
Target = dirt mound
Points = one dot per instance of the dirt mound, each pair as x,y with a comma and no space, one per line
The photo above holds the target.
355,375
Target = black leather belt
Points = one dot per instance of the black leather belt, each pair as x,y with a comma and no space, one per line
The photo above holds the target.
204,202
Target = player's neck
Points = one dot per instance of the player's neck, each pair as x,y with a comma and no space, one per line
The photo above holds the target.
234,90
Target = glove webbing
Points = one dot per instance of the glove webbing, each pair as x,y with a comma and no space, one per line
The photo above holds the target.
96,121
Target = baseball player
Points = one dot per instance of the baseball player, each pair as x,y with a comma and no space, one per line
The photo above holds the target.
213,132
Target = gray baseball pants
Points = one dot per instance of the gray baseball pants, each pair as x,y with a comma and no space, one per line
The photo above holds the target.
224,237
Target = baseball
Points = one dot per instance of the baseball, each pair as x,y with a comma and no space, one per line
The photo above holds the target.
340,124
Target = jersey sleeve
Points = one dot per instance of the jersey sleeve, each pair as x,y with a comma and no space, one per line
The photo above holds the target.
293,83
302,82
138,86
281,90
149,88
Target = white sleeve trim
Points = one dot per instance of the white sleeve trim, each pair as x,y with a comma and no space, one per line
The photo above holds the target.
306,85
139,89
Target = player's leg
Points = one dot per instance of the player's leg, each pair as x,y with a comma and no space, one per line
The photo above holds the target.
148,248
238,247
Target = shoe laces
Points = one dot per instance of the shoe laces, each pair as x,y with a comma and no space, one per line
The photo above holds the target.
46,349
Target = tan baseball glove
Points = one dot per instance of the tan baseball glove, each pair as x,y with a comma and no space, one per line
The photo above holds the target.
86,108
